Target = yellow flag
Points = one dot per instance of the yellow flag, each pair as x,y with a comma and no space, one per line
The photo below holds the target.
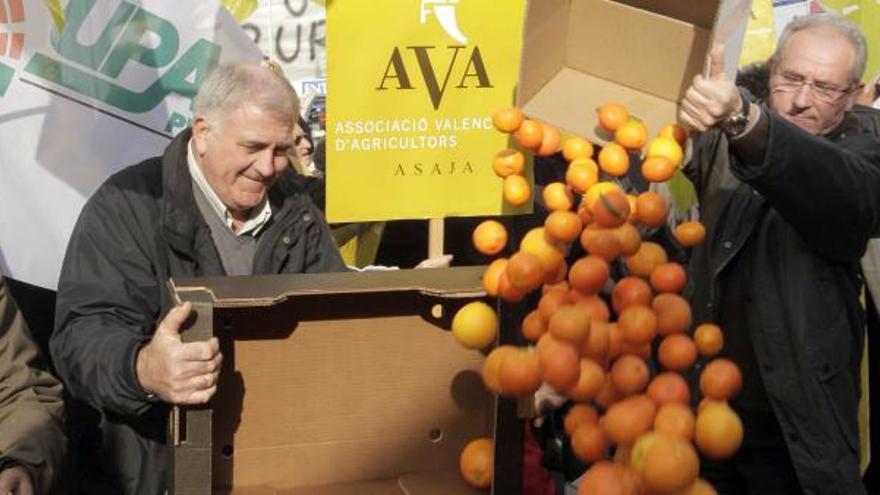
57,12
412,86
240,9
760,40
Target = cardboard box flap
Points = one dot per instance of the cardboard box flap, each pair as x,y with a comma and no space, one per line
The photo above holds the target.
700,13
267,290
431,483
545,30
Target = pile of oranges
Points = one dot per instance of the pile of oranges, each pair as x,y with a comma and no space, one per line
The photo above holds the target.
611,332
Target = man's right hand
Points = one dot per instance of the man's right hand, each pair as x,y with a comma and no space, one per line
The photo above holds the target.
178,372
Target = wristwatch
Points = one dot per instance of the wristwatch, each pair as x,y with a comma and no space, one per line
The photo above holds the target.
736,124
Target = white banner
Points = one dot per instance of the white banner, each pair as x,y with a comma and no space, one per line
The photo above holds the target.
110,90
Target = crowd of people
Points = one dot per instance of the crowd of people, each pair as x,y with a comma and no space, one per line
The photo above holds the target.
787,172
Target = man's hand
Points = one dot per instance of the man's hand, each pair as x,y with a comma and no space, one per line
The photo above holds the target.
179,373
17,481
710,100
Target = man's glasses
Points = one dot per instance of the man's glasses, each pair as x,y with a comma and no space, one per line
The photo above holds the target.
297,140
828,93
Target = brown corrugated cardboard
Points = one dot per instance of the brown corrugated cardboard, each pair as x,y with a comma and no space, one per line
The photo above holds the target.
579,54
336,383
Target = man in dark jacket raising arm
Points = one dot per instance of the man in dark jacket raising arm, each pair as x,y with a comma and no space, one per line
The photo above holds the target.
32,441
788,192
220,201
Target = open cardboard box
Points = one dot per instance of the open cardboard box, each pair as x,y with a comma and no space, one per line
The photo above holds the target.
580,54
339,384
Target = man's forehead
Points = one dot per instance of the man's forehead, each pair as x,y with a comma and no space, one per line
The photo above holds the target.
819,49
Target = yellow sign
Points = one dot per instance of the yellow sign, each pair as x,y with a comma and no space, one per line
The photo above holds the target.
411,88
760,40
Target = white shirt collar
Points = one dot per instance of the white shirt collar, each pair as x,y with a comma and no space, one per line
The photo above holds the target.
256,221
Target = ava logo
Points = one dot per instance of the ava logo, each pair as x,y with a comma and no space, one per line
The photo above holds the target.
89,66
460,66
11,39
444,11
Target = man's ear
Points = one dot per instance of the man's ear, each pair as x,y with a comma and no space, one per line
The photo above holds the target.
201,129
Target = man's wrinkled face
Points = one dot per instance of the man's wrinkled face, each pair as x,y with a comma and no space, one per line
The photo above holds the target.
243,156
812,86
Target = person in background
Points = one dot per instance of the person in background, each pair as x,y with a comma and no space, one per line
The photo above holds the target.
304,149
221,200
788,193
33,445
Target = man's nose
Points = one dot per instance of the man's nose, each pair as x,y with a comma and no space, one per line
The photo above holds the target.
803,96
265,163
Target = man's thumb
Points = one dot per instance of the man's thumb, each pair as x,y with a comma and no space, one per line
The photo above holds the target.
716,62
175,319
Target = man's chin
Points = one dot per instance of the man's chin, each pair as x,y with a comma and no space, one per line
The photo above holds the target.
806,124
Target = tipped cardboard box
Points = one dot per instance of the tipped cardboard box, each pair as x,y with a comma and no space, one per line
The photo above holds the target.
580,54
338,384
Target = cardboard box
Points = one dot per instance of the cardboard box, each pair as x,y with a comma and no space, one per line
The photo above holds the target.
580,54
338,384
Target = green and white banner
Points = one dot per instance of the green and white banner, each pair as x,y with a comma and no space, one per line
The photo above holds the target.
109,89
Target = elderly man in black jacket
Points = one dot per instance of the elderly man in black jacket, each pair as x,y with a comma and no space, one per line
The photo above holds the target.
790,193
222,200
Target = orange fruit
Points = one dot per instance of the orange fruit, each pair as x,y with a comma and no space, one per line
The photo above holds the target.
638,325
563,225
530,134
581,174
611,210
600,242
589,274
537,242
559,362
666,148
534,326
595,346
632,135
492,363
508,162
592,194
570,324
606,396
579,414
492,276
720,379
475,325
649,256
675,419
508,119
614,160
633,209
576,147
519,373
557,196
507,291
629,374
657,169
589,442
516,190
671,465
628,419
525,271
477,463
630,291
489,237
549,140
629,239
701,487
605,478
673,313
639,451
595,306
719,431
668,277
709,339
590,381
652,210
689,234
669,387
675,132
612,115
615,340
677,352
560,274
551,301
